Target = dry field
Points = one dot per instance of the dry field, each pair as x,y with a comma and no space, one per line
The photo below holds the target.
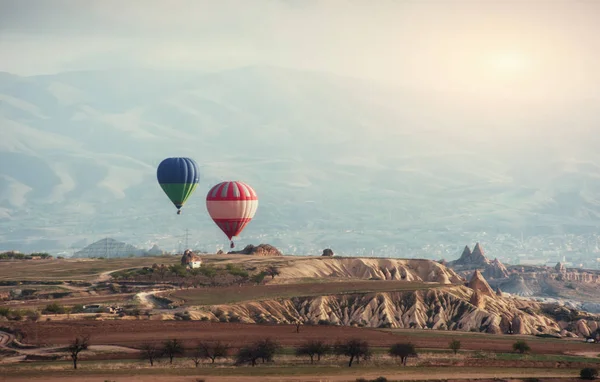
297,374
73,269
234,294
69,301
136,332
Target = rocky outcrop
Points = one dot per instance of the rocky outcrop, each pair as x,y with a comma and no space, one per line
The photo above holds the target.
495,270
468,258
468,261
371,268
479,284
453,308
477,299
259,250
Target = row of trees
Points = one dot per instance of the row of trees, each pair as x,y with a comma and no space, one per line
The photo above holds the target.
265,350
13,255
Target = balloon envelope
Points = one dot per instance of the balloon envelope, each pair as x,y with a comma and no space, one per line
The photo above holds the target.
178,177
231,205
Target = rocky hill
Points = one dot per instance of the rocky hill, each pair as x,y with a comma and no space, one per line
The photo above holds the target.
258,250
576,287
111,248
450,308
476,259
471,305
370,268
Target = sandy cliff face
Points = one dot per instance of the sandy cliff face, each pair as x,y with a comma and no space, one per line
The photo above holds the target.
453,308
371,268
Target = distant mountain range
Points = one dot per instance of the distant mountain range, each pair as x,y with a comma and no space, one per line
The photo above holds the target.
337,162
111,248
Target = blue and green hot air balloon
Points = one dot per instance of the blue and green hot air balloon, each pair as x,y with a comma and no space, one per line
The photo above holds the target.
178,177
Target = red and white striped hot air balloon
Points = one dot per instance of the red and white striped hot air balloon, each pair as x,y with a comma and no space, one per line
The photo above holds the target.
231,205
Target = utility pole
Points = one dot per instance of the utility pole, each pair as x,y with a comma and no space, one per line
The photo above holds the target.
187,231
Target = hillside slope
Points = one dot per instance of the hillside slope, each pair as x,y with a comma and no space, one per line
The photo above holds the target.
369,268
447,308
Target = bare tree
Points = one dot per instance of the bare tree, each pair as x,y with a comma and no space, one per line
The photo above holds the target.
454,345
264,349
172,348
403,351
151,352
212,351
312,348
355,349
78,345
247,354
196,356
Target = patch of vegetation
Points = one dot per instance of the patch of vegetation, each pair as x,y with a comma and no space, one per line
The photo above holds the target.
313,348
264,350
521,347
355,349
588,373
258,278
54,308
235,270
403,351
13,255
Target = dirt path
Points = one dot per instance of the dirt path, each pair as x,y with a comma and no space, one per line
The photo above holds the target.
105,276
589,354
5,339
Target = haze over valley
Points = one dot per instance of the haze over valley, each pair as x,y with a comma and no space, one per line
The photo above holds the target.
395,160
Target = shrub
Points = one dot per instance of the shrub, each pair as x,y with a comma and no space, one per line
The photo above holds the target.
402,351
588,373
521,347
54,308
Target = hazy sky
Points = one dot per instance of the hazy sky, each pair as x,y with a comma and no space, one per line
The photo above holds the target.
517,48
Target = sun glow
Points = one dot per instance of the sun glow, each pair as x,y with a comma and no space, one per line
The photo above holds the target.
509,63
